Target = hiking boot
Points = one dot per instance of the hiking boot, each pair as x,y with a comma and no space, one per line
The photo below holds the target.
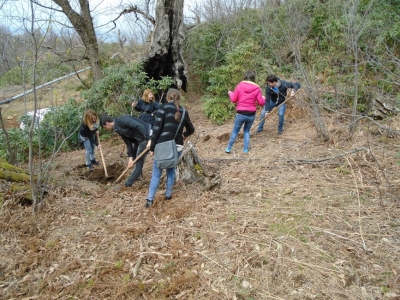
89,167
279,132
94,162
148,203
228,150
168,197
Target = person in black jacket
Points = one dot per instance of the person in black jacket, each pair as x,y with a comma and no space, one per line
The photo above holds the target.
135,133
275,94
147,106
165,128
88,135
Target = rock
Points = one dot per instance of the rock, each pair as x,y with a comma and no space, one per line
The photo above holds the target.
379,106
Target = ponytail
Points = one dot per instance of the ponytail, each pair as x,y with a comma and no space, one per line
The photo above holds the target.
173,95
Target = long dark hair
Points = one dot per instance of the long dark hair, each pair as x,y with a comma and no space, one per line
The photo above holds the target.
174,95
250,76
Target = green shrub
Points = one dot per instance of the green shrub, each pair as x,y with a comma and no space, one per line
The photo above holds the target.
19,143
59,129
218,109
121,84
13,77
238,61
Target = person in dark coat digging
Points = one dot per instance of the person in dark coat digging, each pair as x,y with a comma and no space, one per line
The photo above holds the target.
275,94
135,133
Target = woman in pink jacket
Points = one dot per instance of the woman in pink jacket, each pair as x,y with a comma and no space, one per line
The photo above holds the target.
246,95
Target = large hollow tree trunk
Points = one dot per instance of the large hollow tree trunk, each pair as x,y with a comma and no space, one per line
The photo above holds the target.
165,56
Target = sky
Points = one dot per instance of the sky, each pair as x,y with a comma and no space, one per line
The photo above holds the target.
14,12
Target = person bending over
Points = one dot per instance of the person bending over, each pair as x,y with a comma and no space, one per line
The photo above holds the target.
275,93
135,133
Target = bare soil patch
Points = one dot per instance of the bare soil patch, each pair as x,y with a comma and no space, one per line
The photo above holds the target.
281,225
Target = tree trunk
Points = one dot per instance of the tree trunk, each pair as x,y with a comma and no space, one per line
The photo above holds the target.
165,56
83,24
191,169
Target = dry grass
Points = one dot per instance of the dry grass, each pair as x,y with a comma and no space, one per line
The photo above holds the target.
276,228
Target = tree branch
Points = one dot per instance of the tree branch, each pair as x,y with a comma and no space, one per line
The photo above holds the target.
135,10
305,161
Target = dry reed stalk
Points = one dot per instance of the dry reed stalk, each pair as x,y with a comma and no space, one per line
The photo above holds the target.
358,202
135,269
278,260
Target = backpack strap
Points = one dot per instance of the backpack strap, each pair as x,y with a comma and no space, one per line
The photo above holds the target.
180,123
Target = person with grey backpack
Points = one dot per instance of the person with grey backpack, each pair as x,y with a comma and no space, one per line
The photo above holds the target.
170,121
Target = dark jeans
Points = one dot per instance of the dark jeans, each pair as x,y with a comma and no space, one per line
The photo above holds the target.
137,170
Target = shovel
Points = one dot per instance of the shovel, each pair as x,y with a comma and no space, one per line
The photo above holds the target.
275,108
104,164
136,159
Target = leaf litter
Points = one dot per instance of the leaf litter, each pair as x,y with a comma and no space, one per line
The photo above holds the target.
277,227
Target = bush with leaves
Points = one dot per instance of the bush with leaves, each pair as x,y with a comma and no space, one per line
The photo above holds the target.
57,131
46,70
120,86
217,105
218,109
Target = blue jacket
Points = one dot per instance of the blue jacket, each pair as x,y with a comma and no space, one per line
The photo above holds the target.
280,96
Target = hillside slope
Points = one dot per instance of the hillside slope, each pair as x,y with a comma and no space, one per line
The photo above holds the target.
283,224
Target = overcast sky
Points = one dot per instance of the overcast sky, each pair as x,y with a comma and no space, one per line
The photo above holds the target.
103,11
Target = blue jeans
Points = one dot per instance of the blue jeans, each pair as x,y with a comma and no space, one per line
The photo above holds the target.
239,121
89,148
137,170
281,113
155,180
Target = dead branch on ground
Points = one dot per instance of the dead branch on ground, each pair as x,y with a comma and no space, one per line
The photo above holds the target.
318,161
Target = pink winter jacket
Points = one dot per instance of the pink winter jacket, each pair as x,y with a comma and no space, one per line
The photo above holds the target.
247,94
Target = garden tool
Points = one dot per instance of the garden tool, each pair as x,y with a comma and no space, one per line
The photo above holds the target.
104,164
136,159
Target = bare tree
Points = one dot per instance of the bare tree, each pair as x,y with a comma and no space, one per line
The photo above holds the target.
83,24
356,25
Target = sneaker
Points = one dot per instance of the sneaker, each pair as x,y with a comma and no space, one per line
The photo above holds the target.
246,151
89,167
279,132
228,150
148,203
168,197
94,162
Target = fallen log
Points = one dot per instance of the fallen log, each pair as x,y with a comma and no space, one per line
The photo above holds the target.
21,188
12,173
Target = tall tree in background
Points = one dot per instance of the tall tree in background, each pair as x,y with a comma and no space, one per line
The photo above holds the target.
83,24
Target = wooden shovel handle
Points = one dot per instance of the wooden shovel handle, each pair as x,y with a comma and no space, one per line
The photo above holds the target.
102,159
275,108
136,159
